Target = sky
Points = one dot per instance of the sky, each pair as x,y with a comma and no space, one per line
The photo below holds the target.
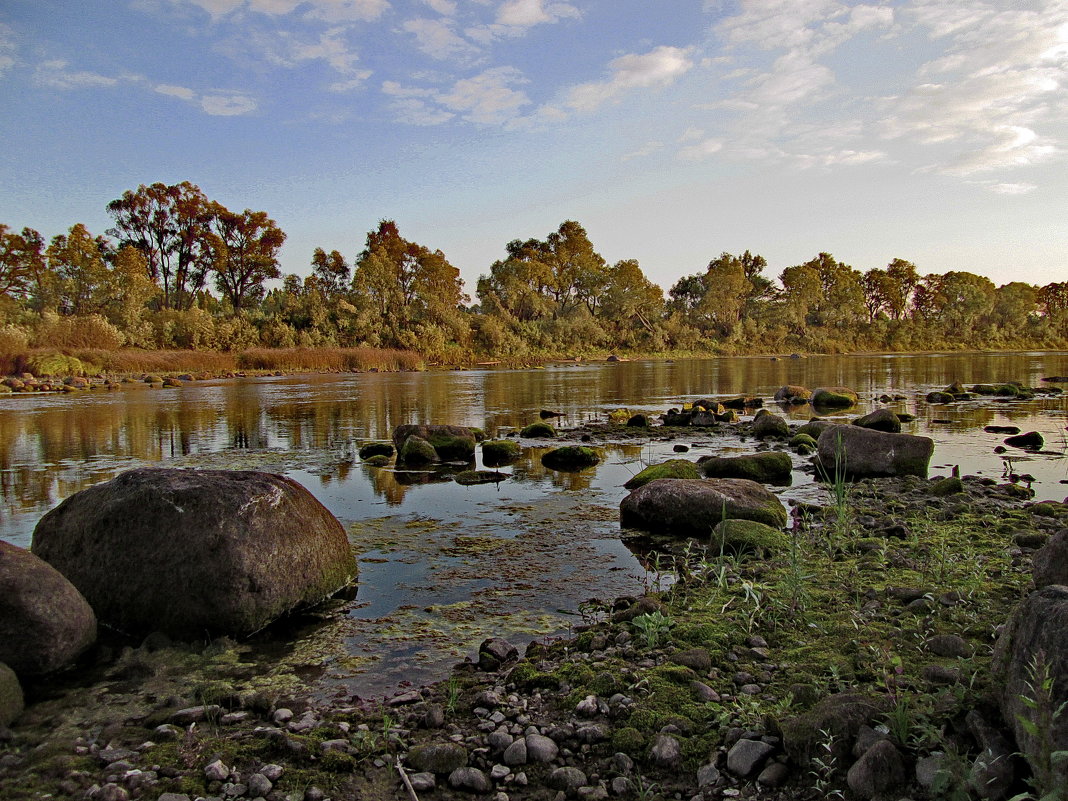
672,130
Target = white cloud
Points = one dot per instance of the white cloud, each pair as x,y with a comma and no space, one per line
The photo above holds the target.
327,10
487,98
331,46
661,66
438,39
444,7
223,103
527,13
56,74
181,92
1012,189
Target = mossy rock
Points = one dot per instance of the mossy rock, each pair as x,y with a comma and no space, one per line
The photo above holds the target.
571,457
834,397
693,507
939,397
540,430
880,420
947,486
672,468
769,425
468,478
453,448
153,379
638,421
497,452
814,428
802,441
4,389
417,450
628,740
768,467
745,536
377,449
526,676
377,461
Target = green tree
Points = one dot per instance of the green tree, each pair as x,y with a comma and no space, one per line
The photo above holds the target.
331,271
244,247
631,302
409,294
22,262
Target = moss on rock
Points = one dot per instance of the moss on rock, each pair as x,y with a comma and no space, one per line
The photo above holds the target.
672,468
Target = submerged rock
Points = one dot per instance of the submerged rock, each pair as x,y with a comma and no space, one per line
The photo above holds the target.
468,478
692,507
791,393
770,426
190,552
45,623
880,420
538,431
767,467
450,443
834,397
571,457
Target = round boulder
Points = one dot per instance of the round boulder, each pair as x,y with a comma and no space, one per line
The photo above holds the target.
571,457
692,507
45,623
672,468
880,420
768,426
450,443
767,467
196,552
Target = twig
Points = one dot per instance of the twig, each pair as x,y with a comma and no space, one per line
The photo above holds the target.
406,780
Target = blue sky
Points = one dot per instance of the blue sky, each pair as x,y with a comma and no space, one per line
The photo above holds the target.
931,130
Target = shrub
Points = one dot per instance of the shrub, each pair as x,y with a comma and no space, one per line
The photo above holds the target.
93,331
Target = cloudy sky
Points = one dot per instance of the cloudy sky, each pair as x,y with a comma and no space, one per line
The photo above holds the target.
673,130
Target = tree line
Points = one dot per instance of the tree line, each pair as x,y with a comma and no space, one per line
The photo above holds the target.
180,271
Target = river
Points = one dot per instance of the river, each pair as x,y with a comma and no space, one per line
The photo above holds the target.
443,566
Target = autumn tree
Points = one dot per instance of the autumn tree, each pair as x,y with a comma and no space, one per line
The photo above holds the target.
331,271
407,292
244,247
169,225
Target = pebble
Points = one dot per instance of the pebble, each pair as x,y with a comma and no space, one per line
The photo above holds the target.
216,771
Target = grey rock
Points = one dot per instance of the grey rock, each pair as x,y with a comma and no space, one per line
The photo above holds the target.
11,700
216,771
621,785
880,772
166,732
111,792
665,751
218,551
174,797
500,772
516,753
1050,562
856,452
950,646
423,782
992,773
541,748
704,692
567,779
470,779
708,776
437,757
272,772
258,784
45,622
774,775
195,714
499,740
495,653
683,506
747,756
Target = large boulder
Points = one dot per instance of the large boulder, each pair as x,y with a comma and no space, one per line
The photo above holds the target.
451,443
1030,670
692,507
853,452
571,457
45,623
195,552
767,467
834,397
770,426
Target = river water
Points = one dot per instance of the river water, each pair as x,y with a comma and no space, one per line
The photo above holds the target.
443,566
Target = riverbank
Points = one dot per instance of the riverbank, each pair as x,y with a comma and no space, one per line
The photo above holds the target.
892,589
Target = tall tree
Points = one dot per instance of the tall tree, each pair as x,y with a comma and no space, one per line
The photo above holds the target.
245,248
168,225
331,270
405,288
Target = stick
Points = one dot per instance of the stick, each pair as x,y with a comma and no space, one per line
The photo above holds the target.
407,781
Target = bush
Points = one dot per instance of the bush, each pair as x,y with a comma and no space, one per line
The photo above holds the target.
93,331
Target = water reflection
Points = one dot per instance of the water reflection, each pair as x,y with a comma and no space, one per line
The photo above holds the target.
53,446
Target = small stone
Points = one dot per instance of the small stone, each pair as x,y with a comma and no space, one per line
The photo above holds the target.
707,776
500,772
949,645
939,674
195,714
666,751
423,782
587,707
567,779
516,753
111,792
499,740
470,779
774,775
216,771
621,786
258,785
437,757
704,693
879,773
746,757
282,716
434,717
272,772
233,718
